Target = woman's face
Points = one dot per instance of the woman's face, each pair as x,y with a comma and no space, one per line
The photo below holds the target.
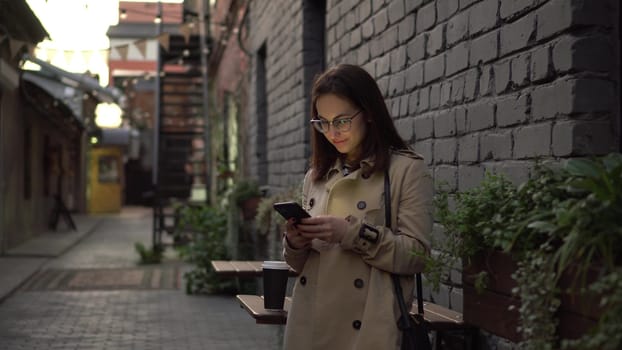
331,107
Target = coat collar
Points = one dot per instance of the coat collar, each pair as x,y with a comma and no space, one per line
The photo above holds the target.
337,167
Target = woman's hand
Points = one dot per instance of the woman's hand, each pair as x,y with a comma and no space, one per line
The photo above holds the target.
326,228
293,236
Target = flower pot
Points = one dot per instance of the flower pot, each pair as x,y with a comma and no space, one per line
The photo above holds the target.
249,207
490,309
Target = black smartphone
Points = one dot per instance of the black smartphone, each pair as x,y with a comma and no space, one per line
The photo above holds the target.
291,210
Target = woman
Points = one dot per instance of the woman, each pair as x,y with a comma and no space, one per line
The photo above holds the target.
343,297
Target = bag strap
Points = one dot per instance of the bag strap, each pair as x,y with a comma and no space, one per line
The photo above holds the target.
396,280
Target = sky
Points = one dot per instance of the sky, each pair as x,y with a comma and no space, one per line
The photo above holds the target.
78,32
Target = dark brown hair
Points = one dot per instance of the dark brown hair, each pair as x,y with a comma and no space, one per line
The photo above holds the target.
355,84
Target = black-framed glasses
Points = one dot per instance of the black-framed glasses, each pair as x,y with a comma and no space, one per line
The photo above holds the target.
341,124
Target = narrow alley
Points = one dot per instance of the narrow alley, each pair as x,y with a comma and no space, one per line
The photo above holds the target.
94,295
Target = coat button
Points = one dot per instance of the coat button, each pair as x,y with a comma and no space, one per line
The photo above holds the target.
356,324
358,283
361,205
365,175
303,280
311,202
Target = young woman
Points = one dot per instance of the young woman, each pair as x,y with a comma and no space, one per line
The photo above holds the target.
343,297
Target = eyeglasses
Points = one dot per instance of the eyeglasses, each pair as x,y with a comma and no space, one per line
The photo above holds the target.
342,124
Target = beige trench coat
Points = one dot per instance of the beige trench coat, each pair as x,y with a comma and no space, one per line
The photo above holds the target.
343,298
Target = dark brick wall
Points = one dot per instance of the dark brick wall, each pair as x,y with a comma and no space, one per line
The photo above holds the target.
473,85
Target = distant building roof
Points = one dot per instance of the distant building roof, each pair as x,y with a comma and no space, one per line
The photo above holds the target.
139,30
20,22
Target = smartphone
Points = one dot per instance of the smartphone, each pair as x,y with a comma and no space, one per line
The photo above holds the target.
291,210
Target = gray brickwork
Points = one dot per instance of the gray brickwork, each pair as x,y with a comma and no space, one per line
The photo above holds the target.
474,85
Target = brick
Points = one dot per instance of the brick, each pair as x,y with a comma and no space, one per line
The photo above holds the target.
415,49
457,89
461,121
594,53
445,93
435,41
446,176
581,138
502,76
532,141
376,5
485,86
457,28
470,83
540,64
389,38
413,103
377,46
426,149
396,11
396,84
445,123
426,17
457,58
424,99
515,171
351,21
383,85
434,68
520,69
364,10
572,96
362,55
406,28
395,107
435,96
483,16
480,116
554,17
512,110
412,5
383,67
497,146
469,176
355,38
445,151
404,105
424,126
404,127
367,29
468,148
513,8
445,9
516,36
398,59
466,3
484,48
414,76
381,21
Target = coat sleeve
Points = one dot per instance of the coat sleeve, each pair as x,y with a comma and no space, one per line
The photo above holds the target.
399,250
296,258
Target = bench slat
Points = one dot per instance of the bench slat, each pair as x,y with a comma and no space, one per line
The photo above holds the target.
437,317
241,268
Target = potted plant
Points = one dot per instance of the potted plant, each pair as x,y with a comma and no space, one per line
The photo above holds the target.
246,195
543,247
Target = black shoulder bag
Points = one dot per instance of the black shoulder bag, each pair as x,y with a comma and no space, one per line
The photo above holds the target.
414,330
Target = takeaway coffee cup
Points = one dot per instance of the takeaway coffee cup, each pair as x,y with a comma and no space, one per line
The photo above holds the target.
275,275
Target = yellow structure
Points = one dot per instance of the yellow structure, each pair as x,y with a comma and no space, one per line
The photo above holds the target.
105,180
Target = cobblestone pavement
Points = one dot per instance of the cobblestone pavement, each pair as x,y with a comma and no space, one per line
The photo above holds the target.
124,318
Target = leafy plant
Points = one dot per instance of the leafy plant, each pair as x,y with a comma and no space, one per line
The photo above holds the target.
210,225
149,256
561,222
243,190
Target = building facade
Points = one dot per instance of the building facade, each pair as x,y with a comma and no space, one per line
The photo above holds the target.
474,86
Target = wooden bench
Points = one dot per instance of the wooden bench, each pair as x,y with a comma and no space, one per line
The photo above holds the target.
438,318
235,268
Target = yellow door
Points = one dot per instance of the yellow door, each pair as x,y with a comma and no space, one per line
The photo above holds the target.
105,180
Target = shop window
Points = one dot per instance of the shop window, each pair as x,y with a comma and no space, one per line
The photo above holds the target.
108,170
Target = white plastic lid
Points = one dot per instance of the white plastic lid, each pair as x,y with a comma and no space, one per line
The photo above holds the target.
278,265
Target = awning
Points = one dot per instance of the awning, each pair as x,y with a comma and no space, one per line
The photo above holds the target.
65,94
